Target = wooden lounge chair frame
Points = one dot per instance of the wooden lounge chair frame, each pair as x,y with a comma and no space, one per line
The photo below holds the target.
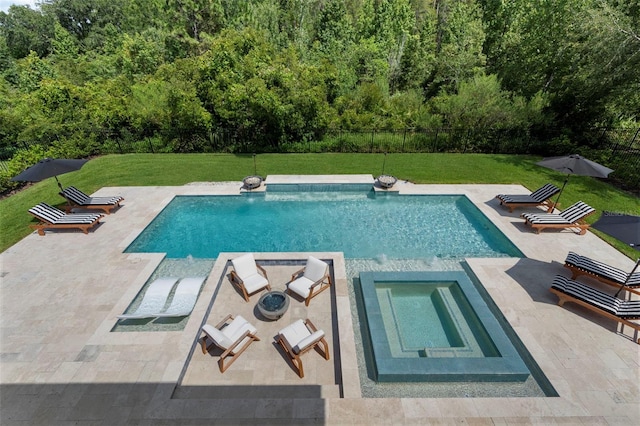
230,354
550,189
40,227
578,223
83,226
238,282
564,298
295,357
105,206
578,271
316,288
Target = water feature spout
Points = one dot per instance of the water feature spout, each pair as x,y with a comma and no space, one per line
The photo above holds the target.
381,258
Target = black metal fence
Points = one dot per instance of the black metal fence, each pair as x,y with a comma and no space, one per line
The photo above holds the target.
618,148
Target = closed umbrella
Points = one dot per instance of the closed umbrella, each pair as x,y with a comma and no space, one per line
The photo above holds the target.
574,164
49,167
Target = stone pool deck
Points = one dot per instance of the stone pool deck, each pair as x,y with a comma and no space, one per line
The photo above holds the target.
60,363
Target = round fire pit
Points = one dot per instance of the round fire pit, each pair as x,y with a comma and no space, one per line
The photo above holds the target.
387,181
252,182
273,304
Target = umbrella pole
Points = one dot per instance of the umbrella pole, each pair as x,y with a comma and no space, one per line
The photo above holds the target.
60,186
552,208
58,182
628,278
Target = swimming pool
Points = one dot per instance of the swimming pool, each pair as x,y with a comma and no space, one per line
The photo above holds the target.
360,223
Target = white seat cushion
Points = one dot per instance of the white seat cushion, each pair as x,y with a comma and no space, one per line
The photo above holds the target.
218,336
237,327
299,336
245,266
254,283
295,332
301,286
228,335
308,341
316,269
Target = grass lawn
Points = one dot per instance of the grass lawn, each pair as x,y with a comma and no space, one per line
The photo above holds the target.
179,169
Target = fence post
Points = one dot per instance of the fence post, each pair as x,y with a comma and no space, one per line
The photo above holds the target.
404,138
634,138
466,140
212,140
119,146
435,141
373,132
150,145
615,148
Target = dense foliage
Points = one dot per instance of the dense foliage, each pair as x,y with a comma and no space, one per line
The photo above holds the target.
85,77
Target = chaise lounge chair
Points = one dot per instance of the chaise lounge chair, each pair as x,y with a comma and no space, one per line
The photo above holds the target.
248,276
184,298
582,265
315,279
622,311
153,300
540,197
299,338
233,338
572,217
53,218
78,199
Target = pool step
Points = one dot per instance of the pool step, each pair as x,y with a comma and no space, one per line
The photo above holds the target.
307,391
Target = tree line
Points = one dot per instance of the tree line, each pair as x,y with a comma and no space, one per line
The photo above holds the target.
78,76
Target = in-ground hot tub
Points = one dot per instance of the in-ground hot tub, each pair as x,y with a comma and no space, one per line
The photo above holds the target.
435,326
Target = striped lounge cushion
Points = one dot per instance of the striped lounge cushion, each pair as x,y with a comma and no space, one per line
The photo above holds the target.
629,309
538,196
50,214
602,269
572,214
80,198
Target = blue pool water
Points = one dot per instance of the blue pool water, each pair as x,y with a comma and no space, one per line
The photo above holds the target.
362,224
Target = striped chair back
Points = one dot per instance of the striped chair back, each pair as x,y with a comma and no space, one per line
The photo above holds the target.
75,195
576,212
47,213
545,192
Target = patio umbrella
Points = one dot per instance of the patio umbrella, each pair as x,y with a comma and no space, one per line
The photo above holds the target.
574,164
49,167
624,227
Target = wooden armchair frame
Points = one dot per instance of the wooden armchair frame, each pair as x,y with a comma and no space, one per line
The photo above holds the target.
295,357
315,289
565,297
229,353
239,283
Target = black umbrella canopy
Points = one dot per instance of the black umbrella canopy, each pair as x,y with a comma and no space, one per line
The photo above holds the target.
624,227
49,167
574,164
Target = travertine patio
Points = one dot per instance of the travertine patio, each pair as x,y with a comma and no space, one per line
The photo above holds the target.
62,364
